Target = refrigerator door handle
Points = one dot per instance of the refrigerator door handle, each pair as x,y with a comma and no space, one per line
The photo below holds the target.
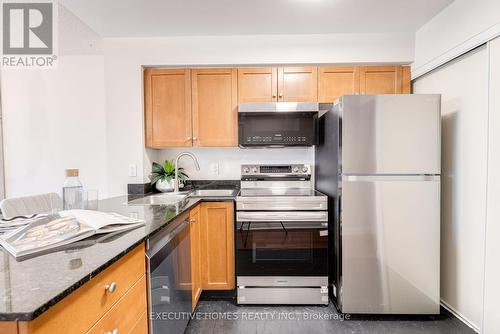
394,177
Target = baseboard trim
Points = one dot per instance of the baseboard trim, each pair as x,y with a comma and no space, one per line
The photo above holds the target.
460,316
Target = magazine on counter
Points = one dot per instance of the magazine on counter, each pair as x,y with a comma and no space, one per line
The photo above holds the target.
60,229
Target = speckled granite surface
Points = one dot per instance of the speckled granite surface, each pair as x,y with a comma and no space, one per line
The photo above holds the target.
31,286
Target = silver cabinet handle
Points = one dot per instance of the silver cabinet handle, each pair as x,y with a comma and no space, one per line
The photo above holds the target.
114,331
194,138
188,138
110,288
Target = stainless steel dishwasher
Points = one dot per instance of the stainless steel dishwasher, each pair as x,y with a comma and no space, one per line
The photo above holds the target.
169,278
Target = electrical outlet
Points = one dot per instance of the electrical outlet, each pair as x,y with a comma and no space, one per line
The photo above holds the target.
132,170
214,167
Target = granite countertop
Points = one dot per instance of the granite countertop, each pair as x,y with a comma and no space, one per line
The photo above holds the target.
31,286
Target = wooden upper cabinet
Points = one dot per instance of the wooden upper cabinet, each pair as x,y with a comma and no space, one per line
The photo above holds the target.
167,106
335,81
214,106
257,84
406,80
217,245
380,79
298,84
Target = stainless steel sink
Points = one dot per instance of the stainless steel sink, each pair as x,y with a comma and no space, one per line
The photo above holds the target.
214,193
160,199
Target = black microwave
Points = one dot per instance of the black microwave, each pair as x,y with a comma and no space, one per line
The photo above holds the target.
277,124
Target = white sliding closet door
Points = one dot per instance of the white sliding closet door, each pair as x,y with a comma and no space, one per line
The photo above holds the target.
463,84
491,324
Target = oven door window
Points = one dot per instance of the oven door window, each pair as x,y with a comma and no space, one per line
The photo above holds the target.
282,249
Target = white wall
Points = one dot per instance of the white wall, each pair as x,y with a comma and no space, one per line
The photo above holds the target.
463,25
125,56
228,160
54,118
464,88
491,322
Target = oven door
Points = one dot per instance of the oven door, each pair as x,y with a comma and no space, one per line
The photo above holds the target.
277,129
282,244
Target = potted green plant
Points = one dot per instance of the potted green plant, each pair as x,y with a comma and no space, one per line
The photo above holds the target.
163,175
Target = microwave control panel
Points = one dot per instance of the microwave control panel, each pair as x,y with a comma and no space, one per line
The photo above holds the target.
278,139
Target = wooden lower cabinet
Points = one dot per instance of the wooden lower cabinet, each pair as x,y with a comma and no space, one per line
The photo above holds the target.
212,248
195,238
217,245
126,313
141,327
8,327
93,308
183,275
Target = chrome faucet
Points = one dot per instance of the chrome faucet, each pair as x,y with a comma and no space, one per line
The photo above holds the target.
176,180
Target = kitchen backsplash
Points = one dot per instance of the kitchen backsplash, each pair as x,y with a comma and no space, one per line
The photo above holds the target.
224,163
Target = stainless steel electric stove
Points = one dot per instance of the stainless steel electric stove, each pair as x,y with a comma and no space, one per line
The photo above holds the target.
282,237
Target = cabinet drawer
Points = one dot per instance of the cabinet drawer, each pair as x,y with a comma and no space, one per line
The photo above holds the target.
125,314
141,327
79,311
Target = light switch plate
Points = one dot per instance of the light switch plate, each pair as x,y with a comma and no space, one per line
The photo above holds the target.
132,170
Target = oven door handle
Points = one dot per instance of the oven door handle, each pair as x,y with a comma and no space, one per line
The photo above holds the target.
286,227
269,216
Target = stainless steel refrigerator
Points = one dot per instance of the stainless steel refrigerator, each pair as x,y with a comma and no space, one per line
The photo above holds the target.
379,161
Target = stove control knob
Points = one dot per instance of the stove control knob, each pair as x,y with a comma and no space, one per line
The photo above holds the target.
246,170
295,169
254,170
304,169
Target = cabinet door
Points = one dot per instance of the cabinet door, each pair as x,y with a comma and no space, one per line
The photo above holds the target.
215,100
257,84
298,84
335,81
380,80
183,274
217,242
406,80
167,107
195,237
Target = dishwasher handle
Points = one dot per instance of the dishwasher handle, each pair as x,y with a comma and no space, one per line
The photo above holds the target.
156,244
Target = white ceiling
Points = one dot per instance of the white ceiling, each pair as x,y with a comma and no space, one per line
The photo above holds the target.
152,18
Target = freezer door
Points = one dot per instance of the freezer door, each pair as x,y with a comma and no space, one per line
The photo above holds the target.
391,134
390,232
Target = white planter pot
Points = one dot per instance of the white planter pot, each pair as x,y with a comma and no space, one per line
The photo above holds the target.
165,186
